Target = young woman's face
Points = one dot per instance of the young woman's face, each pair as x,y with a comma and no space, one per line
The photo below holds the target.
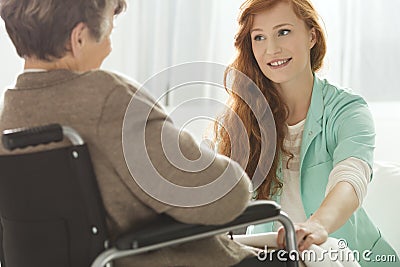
281,43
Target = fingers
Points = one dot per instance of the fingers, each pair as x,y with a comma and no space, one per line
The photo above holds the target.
306,235
301,234
315,234
281,238
307,242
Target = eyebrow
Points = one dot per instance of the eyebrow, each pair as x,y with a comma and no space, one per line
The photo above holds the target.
275,27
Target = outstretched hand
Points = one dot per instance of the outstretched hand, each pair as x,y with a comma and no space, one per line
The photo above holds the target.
307,233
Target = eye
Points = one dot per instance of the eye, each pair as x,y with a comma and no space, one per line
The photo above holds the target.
259,38
283,32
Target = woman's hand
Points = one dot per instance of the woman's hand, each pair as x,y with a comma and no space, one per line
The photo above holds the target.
335,210
307,233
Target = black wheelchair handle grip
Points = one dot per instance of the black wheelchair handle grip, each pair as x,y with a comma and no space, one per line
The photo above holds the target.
24,137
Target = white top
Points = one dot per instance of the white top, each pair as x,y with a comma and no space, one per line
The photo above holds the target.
352,170
291,202
34,70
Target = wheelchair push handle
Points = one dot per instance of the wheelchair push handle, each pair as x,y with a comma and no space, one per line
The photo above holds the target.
24,137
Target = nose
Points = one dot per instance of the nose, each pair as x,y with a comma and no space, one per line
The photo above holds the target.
273,47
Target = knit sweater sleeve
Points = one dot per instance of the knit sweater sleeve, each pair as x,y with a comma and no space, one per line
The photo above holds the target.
354,171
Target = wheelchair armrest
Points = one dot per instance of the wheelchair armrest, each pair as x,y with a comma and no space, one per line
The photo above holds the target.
24,137
39,135
167,229
166,232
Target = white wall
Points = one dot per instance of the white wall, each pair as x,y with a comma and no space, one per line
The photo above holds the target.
387,124
10,63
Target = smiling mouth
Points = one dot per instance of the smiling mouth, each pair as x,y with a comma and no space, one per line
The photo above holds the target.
279,63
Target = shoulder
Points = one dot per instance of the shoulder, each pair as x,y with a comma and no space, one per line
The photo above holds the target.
349,125
338,96
122,95
340,102
109,81
119,84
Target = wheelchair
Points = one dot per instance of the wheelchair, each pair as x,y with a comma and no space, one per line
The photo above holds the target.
52,212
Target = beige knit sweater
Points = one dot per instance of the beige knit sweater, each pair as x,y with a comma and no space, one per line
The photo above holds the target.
94,103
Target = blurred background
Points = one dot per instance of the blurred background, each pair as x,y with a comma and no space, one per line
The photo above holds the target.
363,54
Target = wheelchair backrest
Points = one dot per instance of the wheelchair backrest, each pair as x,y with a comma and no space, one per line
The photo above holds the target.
50,208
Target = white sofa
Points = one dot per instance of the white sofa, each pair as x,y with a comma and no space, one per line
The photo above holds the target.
383,201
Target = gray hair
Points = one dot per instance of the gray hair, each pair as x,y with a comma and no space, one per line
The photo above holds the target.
41,28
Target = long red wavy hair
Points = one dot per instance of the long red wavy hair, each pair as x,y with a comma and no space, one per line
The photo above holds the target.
246,63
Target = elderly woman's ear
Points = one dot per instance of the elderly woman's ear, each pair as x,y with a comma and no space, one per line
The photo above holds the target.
78,38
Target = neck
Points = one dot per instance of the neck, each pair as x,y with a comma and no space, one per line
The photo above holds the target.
63,63
297,96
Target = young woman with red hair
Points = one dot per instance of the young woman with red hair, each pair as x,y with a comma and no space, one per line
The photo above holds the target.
324,134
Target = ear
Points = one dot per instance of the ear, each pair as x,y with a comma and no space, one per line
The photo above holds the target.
313,37
77,38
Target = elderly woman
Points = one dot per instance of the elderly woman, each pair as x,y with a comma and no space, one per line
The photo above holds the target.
63,44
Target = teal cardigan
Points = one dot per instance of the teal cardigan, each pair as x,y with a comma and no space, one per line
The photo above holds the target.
339,125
